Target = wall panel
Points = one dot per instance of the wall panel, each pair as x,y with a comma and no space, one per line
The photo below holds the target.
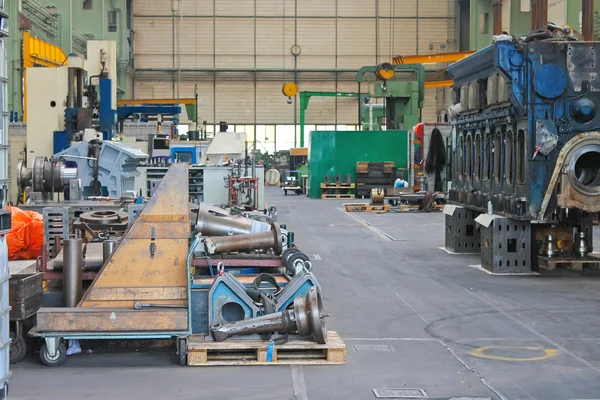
156,51
235,102
271,104
234,8
331,33
347,107
321,110
356,37
316,8
399,8
435,8
433,36
163,7
399,35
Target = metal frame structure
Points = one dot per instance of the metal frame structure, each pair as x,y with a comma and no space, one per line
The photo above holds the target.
5,216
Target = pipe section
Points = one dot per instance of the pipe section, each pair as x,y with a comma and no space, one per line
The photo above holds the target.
72,271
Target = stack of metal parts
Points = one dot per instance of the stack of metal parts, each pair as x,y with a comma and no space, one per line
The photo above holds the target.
287,300
148,267
45,176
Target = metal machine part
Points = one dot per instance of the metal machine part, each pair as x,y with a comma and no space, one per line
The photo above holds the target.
244,243
46,176
377,195
307,318
214,221
298,286
580,244
72,271
508,151
295,261
103,220
228,301
114,171
108,247
550,247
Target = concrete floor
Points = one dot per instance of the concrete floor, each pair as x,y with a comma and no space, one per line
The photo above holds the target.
438,325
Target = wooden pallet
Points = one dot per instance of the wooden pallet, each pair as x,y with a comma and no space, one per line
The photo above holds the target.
360,207
413,208
337,196
254,352
337,185
569,261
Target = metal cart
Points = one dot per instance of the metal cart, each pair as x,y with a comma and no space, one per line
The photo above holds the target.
25,299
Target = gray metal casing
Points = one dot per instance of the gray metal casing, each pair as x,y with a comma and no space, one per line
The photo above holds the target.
57,222
117,165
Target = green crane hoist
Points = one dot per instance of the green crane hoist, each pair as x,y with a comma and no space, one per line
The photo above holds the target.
402,88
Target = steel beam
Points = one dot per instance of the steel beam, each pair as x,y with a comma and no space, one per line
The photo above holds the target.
587,22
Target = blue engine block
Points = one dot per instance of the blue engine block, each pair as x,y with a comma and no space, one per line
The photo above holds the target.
525,121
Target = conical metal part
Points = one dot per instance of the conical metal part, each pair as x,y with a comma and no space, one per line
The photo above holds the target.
550,248
580,245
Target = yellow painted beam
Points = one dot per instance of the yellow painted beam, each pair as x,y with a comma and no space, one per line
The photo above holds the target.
139,102
436,84
432,58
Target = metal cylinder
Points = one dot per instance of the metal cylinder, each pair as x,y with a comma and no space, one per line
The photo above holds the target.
66,174
72,271
213,221
108,247
245,243
377,195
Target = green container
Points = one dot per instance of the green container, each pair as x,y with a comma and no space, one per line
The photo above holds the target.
337,152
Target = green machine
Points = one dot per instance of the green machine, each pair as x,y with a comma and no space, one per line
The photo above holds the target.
402,88
390,101
399,88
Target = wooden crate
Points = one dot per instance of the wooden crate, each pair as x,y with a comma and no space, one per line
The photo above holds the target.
254,352
570,261
364,207
389,167
337,196
362,167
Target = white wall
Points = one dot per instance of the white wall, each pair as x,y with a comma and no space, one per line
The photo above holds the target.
257,35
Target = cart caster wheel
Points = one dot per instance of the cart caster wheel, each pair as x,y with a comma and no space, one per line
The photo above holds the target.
18,349
58,359
182,352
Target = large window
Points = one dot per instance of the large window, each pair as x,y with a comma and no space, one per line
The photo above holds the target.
273,138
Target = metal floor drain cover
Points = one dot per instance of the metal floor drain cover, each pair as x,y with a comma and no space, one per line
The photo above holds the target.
400,394
373,347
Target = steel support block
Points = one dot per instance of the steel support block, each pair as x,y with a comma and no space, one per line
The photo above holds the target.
462,233
505,244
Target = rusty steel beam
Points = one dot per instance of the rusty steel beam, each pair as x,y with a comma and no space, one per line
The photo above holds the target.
539,14
497,17
587,21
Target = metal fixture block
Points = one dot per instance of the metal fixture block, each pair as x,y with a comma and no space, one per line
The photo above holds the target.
462,233
505,244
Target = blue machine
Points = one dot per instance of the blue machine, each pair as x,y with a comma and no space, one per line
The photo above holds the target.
524,138
525,147
228,300
190,154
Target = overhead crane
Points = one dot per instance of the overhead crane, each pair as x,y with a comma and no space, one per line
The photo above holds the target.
431,59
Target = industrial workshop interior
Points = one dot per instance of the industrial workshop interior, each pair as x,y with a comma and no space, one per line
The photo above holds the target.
300,199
